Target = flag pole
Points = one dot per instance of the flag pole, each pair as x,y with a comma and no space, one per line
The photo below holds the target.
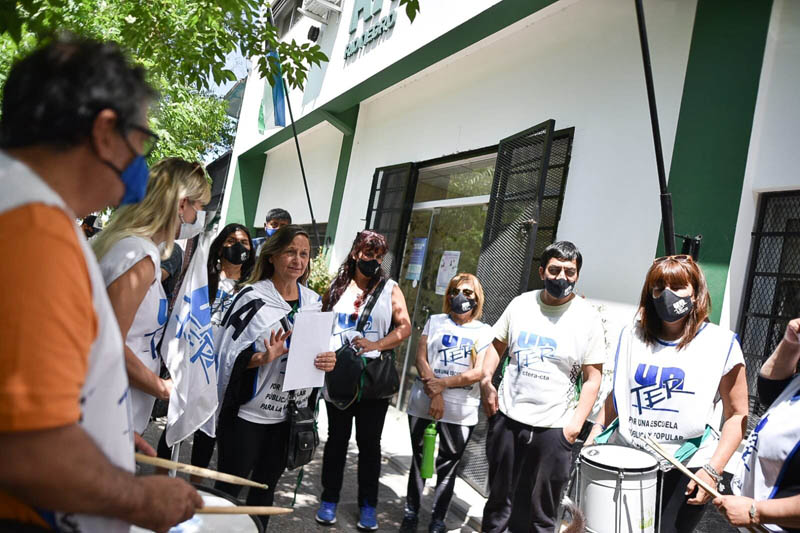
271,19
300,158
666,198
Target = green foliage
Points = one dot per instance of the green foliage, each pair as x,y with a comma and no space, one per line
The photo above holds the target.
412,8
183,41
320,278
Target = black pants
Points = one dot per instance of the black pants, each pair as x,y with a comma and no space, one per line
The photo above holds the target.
518,451
260,448
453,440
370,416
202,448
678,516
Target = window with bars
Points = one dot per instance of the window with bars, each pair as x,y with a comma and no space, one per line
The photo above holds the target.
772,289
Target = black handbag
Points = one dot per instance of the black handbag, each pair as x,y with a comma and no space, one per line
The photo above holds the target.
346,382
303,434
381,379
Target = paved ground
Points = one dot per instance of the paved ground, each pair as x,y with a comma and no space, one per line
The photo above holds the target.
464,515
392,492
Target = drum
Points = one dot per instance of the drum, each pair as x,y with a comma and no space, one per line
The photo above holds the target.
213,523
617,489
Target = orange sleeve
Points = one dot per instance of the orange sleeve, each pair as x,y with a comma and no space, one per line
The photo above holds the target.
48,319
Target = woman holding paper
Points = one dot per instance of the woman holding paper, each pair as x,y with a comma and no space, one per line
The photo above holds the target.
253,428
359,281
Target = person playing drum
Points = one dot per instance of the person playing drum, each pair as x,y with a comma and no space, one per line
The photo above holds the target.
671,365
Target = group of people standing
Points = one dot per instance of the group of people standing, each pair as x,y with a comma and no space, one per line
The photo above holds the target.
79,369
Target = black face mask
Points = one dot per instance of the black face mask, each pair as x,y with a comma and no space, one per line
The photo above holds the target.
460,304
558,288
670,307
369,268
236,254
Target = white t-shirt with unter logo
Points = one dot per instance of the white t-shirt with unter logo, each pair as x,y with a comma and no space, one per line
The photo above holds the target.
548,345
451,349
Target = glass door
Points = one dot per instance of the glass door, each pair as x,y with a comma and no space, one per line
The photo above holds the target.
441,242
444,237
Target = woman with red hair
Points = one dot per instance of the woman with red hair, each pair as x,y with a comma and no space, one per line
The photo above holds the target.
670,367
359,279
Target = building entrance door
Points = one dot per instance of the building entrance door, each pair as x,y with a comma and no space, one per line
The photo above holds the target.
441,242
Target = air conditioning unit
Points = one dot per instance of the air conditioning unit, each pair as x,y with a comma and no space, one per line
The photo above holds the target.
319,10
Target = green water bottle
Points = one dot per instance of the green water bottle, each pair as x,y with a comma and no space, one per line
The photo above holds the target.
428,447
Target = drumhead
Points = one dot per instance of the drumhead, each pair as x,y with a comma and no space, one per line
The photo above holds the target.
618,457
202,523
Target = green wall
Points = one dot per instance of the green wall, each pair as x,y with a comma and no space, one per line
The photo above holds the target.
351,119
714,125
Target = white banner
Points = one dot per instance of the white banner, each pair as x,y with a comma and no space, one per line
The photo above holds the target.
188,351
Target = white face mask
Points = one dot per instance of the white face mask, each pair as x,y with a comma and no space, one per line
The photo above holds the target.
190,230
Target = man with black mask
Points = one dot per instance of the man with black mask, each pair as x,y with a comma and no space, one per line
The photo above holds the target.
553,338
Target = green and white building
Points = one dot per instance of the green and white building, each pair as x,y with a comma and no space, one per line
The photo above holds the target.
437,133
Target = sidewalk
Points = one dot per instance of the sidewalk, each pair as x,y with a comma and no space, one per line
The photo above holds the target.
465,510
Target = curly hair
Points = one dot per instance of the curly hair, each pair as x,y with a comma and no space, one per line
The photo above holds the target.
366,241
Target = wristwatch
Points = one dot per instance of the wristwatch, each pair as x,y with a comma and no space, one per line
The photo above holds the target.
752,512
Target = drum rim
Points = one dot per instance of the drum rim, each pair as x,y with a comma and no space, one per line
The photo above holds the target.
225,496
616,469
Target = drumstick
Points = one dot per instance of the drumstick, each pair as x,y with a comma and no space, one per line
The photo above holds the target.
197,471
251,510
705,486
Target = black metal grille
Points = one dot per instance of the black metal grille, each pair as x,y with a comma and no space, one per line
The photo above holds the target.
552,200
524,210
513,218
772,291
389,210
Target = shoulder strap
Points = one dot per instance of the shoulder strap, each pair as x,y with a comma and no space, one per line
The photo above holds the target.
367,311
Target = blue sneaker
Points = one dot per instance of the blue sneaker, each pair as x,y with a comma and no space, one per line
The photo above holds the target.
367,521
326,514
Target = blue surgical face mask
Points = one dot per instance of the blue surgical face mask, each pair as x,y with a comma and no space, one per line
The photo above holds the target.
270,231
135,178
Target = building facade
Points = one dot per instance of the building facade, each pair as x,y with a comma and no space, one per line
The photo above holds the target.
486,129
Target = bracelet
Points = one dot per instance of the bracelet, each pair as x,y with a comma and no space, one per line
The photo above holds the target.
711,471
753,511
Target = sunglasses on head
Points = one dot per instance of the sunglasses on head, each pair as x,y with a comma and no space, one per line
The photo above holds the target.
682,258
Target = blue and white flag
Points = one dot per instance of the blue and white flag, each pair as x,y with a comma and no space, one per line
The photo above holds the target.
272,113
188,351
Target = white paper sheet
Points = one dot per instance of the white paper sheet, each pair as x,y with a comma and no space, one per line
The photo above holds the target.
311,336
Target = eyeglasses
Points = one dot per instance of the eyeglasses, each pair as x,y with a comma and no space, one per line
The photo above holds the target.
469,293
150,142
682,258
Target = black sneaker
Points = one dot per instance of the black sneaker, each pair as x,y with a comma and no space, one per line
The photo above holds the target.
437,526
409,523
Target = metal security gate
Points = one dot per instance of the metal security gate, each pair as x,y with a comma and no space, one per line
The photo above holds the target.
513,218
389,210
524,210
772,290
